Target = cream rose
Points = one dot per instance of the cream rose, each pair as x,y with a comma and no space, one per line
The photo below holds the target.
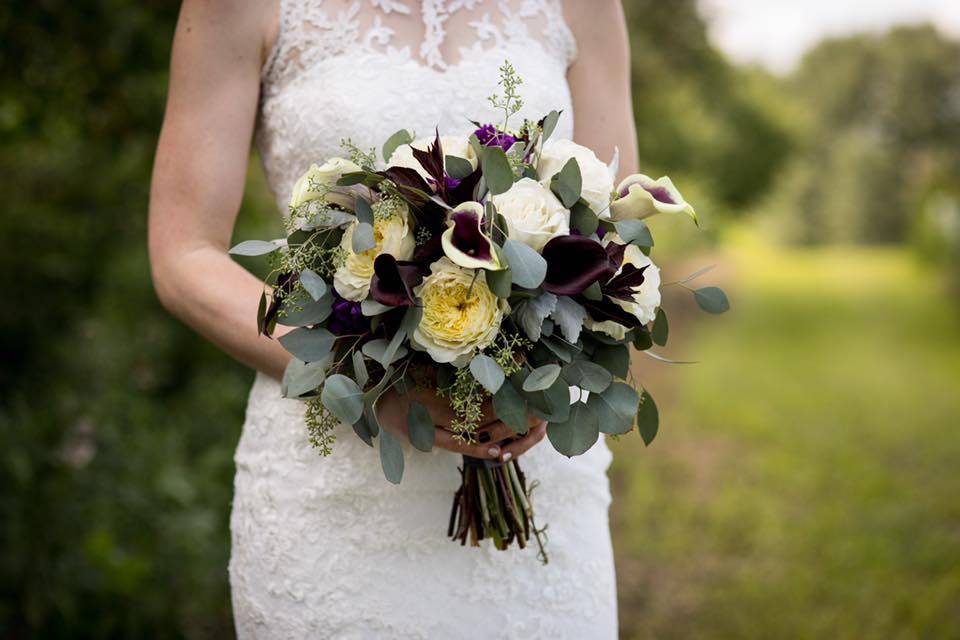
392,235
597,181
533,214
453,325
452,146
318,181
645,300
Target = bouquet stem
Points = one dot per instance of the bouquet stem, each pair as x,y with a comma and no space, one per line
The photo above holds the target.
493,501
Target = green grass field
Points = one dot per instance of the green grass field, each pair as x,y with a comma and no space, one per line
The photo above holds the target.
806,479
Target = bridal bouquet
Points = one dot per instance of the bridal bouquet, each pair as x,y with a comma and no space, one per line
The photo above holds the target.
501,265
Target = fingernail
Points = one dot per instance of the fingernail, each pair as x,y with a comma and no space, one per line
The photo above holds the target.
494,451
506,456
484,436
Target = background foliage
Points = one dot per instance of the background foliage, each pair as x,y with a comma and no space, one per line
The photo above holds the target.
817,499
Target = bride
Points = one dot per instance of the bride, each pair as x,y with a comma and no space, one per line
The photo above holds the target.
324,547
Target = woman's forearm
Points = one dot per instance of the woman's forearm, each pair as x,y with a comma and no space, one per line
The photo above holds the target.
218,298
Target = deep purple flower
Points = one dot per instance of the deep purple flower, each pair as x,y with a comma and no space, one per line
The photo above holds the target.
489,136
346,318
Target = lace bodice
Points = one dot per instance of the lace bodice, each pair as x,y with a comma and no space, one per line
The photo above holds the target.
325,547
362,69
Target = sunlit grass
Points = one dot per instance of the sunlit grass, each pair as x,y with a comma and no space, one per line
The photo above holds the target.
805,482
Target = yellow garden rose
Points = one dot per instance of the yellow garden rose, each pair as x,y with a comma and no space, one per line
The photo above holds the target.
454,325
392,235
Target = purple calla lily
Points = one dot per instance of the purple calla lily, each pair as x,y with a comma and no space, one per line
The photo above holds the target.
393,281
464,241
574,263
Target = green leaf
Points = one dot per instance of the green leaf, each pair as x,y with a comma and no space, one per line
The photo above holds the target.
615,408
642,340
457,168
391,456
567,183
578,433
511,408
696,274
549,124
362,428
254,248
635,231
420,427
496,169
593,292
360,369
583,219
343,398
363,238
557,401
712,300
386,353
648,418
528,267
500,282
487,372
401,137
308,345
363,211
300,377
615,358
587,375
542,377
411,319
661,329
299,310
261,311
559,348
371,307
313,284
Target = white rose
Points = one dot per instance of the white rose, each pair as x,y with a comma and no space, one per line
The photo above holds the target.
319,180
454,326
452,146
597,181
533,214
645,300
392,234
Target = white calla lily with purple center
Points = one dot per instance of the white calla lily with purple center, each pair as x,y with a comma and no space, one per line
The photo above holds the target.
464,241
640,196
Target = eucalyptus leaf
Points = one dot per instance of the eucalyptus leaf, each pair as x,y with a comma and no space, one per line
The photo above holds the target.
254,248
528,267
496,169
664,359
399,138
487,372
549,124
615,408
360,372
363,238
648,418
712,300
313,284
587,375
542,377
583,219
500,282
661,329
696,274
301,377
362,428
391,456
411,319
299,310
578,433
420,427
567,183
642,340
343,398
614,358
559,348
379,350
363,211
511,408
458,168
557,398
308,345
635,231
371,307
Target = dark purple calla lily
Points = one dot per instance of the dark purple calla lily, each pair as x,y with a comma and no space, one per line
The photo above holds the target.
574,263
464,241
393,281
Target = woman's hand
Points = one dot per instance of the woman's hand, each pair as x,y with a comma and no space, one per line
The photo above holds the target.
496,441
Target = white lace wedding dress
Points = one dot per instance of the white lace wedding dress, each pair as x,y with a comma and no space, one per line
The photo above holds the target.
325,547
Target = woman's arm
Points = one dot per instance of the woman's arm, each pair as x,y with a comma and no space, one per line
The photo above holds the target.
199,175
600,81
